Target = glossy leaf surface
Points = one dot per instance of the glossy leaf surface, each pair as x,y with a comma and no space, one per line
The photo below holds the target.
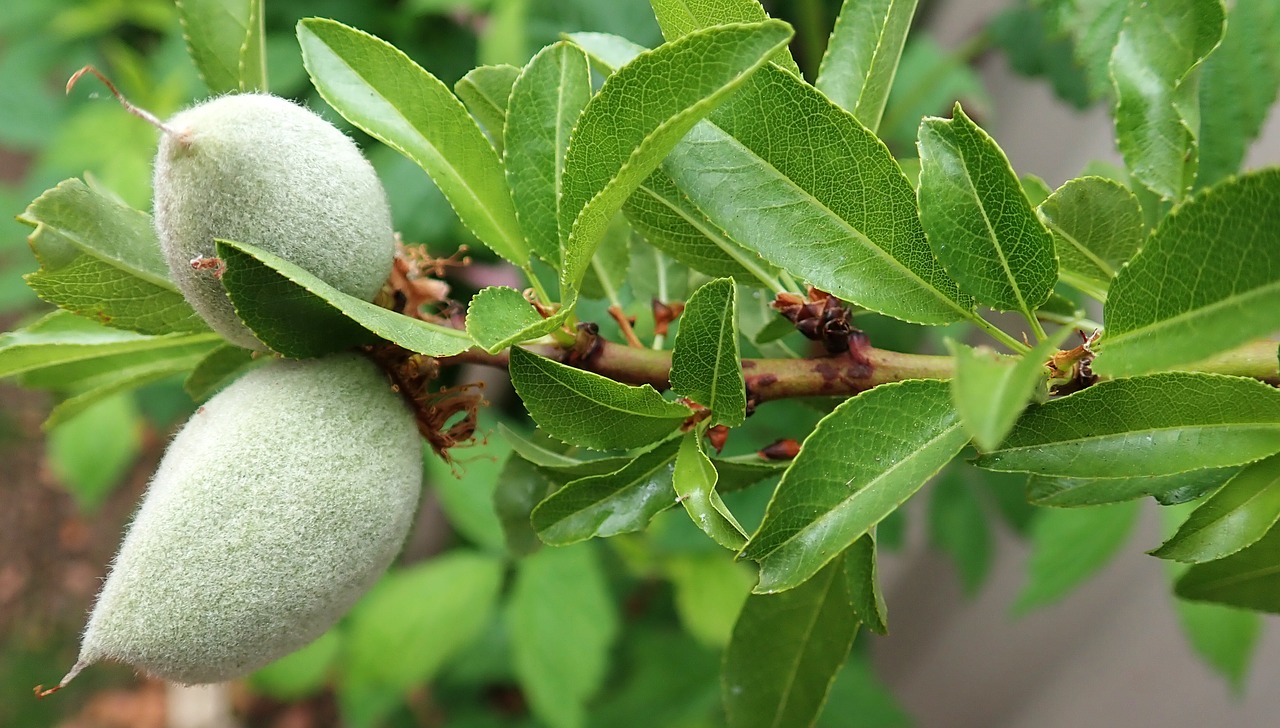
1155,425
606,505
678,18
705,361
638,116
1154,72
695,479
299,315
1097,226
1207,280
833,494
544,106
785,651
485,91
583,408
862,56
101,259
1079,492
498,317
978,219
381,90
1249,579
1236,516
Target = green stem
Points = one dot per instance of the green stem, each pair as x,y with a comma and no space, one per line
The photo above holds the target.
1036,328
536,284
994,332
659,340
789,283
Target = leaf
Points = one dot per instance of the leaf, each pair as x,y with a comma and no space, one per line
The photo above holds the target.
1238,84
60,339
1249,579
606,505
1097,226
978,219
485,91
1034,49
832,494
216,370
299,315
785,651
695,478
1236,516
705,361
864,584
467,498
1070,545
930,80
660,212
958,528
1206,281
862,56
300,674
678,18
92,452
1154,425
410,624
860,696
225,39
708,591
382,91
498,317
1094,26
101,259
585,409
767,181
1154,73
560,599
990,390
521,486
1077,492
1225,638
546,101
638,116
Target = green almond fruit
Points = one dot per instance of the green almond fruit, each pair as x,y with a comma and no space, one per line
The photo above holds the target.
277,505
259,169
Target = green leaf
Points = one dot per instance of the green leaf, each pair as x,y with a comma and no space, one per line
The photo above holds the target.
546,101
930,80
705,364
1249,579
382,91
862,56
467,497
695,478
1154,69
520,488
1206,281
226,40
1225,638
92,452
1155,425
1033,48
860,699
990,390
585,409
100,259
785,651
61,339
1236,516
1070,545
678,18
1078,492
832,493
606,505
978,218
958,528
486,91
216,370
410,625
660,212
1097,226
299,315
1238,84
1093,26
300,674
768,182
498,317
709,591
638,116
562,624
864,584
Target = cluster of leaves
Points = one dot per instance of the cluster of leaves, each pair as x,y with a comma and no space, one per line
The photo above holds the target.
710,153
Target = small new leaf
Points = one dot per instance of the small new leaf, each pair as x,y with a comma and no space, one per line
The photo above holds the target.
705,364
